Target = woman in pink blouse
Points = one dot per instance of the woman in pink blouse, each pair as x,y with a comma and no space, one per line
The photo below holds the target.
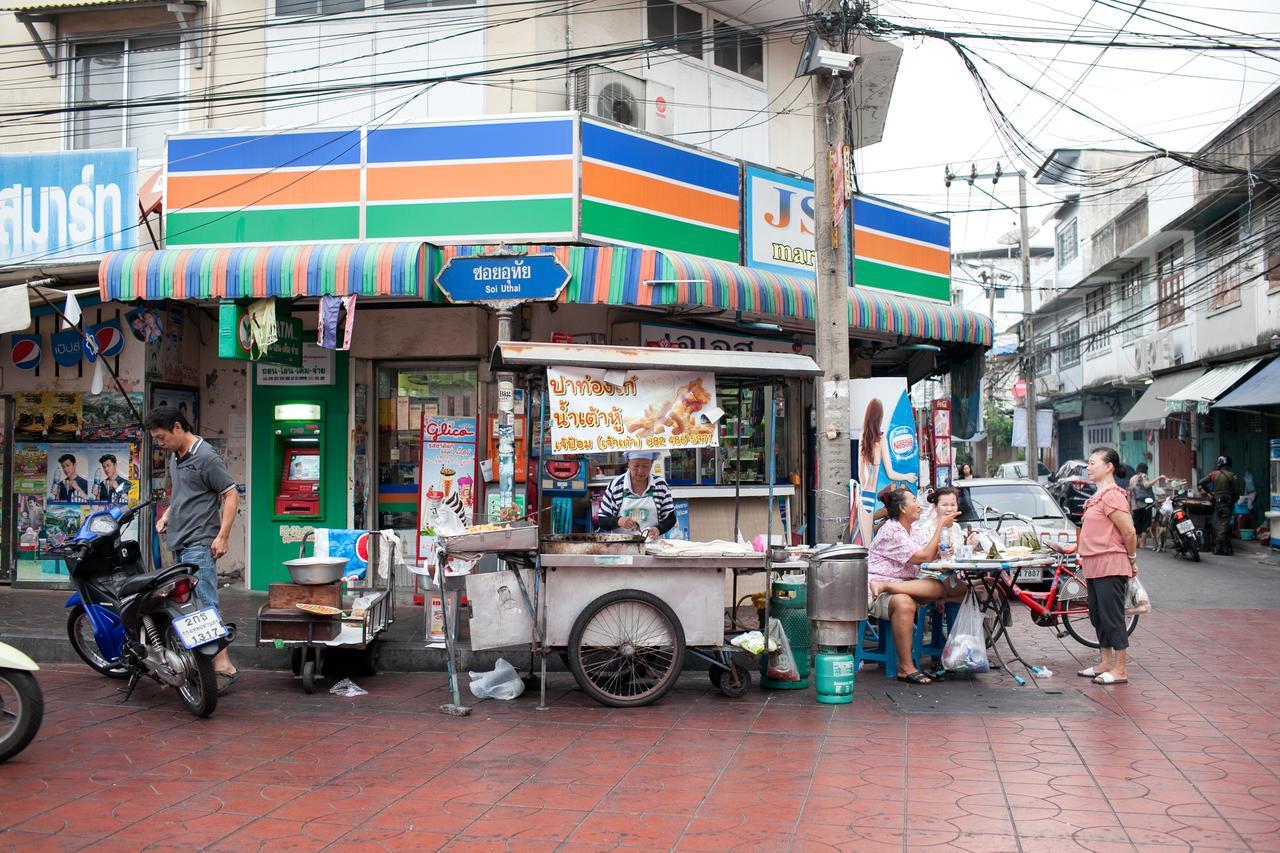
893,571
1108,555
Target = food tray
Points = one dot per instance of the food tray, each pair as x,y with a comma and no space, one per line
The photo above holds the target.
523,537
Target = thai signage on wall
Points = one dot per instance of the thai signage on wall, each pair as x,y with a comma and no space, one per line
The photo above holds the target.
67,205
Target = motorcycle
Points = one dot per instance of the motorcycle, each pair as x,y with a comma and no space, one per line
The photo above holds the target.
21,702
125,622
1181,530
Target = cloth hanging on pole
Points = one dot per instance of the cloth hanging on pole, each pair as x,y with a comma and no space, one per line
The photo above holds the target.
331,310
71,313
262,327
15,310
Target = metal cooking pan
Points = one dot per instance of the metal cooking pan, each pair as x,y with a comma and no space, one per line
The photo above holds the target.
593,543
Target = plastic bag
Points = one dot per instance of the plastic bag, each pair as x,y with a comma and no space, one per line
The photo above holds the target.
347,687
502,682
966,648
782,664
1136,599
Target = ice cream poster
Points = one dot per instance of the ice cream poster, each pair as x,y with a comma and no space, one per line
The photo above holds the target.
446,479
603,411
884,427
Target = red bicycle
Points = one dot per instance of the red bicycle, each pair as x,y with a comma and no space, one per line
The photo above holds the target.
1065,602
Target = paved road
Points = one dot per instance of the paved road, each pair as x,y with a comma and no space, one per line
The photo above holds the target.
1242,581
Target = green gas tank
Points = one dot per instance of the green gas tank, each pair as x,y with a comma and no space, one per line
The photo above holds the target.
833,676
789,604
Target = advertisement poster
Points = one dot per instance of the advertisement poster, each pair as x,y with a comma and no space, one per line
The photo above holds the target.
884,426
55,415
107,416
185,400
102,472
599,411
446,477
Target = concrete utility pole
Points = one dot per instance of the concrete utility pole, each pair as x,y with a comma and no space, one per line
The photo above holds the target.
1028,340
835,462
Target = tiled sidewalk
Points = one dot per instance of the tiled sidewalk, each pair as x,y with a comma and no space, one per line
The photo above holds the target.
1186,757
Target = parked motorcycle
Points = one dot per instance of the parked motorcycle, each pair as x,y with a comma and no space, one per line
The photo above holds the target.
1180,529
126,622
21,702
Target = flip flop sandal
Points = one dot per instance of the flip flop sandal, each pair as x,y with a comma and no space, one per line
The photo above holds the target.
225,680
1088,672
916,677
1108,678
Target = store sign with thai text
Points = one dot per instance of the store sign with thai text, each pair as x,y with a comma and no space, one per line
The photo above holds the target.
606,411
657,335
528,278
66,205
236,342
316,369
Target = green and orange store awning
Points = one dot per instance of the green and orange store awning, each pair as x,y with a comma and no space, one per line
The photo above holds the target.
599,275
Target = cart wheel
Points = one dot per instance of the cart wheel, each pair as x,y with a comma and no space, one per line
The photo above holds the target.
626,648
733,682
309,676
370,661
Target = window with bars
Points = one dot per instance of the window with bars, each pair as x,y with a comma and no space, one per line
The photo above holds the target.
114,89
1220,255
739,51
1097,312
1043,355
1133,304
1068,242
294,8
1069,346
675,26
1169,286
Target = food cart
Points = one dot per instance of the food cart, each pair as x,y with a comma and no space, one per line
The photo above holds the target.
624,614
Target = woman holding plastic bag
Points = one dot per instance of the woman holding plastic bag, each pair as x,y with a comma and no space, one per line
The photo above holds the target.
1108,546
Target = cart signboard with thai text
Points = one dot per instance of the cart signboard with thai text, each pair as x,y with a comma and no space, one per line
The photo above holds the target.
599,411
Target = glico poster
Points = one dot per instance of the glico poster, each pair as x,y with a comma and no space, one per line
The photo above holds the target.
884,427
600,411
446,477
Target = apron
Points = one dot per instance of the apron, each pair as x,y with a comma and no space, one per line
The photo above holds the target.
642,508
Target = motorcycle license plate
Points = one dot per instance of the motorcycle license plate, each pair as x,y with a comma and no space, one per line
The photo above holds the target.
1030,575
203,626
1186,526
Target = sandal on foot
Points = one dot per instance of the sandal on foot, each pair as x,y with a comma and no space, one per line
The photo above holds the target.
1088,672
916,677
1108,678
225,680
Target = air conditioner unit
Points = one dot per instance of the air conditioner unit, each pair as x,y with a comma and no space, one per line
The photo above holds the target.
1050,384
1144,354
619,97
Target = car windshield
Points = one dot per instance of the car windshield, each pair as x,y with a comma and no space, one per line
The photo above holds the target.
1021,498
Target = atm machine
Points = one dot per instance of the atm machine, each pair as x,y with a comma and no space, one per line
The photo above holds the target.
298,460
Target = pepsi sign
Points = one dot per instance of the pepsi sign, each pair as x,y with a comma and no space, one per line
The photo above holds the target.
108,337
26,351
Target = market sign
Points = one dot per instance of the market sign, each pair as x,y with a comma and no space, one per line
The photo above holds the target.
605,411
777,230
234,340
66,205
499,279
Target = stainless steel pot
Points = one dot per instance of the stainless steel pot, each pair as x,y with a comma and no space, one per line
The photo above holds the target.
837,594
316,570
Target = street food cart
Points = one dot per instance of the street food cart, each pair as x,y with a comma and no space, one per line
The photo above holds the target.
624,613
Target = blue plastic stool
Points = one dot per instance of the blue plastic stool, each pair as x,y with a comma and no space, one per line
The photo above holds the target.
885,650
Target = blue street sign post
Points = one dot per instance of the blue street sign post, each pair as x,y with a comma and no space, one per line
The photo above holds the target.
503,281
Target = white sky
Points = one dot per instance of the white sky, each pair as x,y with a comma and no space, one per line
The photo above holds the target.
1176,99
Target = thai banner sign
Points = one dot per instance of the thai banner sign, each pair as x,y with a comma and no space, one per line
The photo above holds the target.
605,411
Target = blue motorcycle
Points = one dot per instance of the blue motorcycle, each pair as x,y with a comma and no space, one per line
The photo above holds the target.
126,622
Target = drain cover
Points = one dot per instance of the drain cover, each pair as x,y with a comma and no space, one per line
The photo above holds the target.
935,699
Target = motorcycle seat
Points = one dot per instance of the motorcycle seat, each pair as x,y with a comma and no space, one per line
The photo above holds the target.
138,583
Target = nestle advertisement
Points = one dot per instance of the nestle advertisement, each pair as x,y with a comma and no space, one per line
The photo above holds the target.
885,429
70,204
600,411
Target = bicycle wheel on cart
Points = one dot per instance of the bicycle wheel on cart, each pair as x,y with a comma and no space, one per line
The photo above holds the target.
1078,625
626,648
994,604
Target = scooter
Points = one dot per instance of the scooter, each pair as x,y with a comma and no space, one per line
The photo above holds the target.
21,702
125,622
1181,530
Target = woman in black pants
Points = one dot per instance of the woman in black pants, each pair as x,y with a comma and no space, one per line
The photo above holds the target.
1108,555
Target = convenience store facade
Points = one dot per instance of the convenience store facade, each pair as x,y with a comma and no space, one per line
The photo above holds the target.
652,236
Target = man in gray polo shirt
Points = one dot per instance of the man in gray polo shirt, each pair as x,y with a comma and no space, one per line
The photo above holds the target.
202,509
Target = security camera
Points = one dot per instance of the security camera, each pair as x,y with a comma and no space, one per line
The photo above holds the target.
839,64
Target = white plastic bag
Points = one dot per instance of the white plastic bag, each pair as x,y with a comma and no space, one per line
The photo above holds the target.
502,682
1136,599
782,663
347,687
966,648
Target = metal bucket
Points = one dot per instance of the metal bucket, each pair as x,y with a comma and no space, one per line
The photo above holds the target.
838,594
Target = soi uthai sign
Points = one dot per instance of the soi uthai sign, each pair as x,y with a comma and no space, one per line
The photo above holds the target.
599,411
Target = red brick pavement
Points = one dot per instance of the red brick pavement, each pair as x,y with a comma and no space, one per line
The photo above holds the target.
1185,757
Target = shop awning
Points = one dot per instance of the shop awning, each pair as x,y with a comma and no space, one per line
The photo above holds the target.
1203,392
621,275
1261,389
318,269
1149,412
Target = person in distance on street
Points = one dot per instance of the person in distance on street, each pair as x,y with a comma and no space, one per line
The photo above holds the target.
1108,555
1223,486
1141,488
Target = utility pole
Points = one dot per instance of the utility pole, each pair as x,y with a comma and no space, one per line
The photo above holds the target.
832,272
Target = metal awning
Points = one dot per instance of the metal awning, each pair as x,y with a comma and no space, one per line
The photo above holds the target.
517,355
1260,390
1149,412
316,269
1203,392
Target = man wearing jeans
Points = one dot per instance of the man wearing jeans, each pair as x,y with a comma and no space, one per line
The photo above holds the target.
202,509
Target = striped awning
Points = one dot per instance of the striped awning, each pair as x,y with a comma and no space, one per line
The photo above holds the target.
318,269
620,275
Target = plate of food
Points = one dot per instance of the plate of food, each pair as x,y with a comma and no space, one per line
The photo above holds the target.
319,609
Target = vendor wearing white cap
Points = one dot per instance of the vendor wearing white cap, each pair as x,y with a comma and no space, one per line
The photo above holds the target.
637,500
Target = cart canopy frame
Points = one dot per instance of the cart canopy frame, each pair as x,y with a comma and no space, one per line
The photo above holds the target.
523,355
